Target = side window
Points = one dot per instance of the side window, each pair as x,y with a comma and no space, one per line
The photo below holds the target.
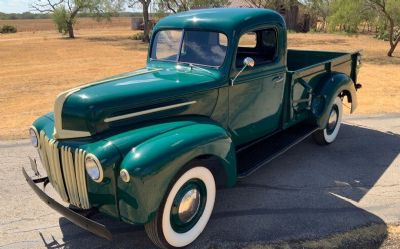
248,40
223,40
261,45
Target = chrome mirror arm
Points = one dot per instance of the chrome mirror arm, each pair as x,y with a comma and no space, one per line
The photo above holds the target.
247,62
241,70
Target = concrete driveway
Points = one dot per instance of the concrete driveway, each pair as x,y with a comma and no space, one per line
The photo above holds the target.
309,192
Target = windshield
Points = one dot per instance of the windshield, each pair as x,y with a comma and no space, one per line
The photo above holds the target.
193,47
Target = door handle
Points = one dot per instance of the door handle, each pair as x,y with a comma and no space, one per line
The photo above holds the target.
278,79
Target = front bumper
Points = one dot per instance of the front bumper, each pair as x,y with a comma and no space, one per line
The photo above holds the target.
79,220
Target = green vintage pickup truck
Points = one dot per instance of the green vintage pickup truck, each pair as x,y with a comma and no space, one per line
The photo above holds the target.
221,95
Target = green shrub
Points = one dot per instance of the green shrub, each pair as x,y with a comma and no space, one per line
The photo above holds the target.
384,34
138,36
8,29
60,17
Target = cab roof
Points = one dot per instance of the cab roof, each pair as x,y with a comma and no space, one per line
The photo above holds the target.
227,20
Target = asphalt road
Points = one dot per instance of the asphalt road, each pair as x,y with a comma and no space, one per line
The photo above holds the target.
309,192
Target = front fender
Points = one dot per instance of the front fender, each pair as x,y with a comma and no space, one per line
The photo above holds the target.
326,92
154,163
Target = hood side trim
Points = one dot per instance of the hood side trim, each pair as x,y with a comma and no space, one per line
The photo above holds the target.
158,109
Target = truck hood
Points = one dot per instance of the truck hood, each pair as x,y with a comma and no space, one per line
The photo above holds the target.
135,97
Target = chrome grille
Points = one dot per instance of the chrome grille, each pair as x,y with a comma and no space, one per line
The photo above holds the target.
65,169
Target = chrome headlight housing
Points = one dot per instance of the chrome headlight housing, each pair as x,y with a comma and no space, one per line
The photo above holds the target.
124,174
93,168
34,137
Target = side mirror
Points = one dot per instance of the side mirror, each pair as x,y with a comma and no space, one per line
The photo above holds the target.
247,62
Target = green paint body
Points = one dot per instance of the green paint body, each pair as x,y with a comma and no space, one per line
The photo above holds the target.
155,147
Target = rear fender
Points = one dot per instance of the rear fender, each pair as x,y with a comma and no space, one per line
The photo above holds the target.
337,84
154,164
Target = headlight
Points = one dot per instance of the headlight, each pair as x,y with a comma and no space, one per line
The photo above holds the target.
124,175
93,168
34,137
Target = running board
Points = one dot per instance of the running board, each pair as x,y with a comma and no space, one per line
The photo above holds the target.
254,157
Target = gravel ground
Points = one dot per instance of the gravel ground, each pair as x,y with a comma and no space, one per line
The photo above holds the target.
307,194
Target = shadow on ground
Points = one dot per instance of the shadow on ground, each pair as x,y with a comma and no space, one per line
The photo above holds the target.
292,198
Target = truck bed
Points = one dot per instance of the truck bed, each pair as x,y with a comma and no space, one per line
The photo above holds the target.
307,61
303,68
299,59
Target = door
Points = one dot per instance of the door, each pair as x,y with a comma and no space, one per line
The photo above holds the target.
256,95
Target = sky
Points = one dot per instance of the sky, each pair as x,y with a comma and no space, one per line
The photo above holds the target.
19,6
15,6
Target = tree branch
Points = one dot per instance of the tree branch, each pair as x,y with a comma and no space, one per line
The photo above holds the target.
46,7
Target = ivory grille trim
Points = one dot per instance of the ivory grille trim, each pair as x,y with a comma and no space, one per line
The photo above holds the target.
65,168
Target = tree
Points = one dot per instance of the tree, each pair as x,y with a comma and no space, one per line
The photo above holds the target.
64,12
267,4
146,19
385,14
273,4
184,5
318,10
346,15
390,11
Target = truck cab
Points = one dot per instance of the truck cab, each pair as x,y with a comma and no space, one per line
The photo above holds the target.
221,96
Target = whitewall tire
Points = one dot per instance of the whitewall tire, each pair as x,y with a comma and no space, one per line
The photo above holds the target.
329,133
185,211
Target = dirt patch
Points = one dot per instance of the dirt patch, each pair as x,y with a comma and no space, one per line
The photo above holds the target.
36,66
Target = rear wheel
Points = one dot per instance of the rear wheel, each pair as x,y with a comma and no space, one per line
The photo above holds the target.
185,211
329,133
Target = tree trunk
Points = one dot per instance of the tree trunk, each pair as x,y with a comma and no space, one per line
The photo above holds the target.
70,28
393,47
146,28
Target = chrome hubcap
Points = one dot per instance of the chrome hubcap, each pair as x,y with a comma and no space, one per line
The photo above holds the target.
189,206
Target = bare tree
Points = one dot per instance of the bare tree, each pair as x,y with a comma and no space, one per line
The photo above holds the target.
390,10
349,14
145,4
64,12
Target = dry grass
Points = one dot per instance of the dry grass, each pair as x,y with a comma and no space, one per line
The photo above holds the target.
35,67
82,23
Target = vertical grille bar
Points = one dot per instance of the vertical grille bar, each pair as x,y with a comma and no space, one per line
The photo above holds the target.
51,161
69,175
43,155
57,167
66,170
81,178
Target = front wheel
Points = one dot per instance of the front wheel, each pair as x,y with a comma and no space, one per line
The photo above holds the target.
185,210
329,133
